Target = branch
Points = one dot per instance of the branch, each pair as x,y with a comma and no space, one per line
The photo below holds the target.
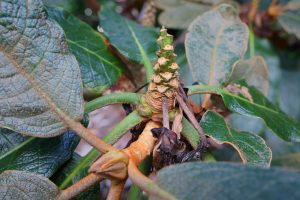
193,120
116,133
115,190
88,136
124,97
80,186
165,112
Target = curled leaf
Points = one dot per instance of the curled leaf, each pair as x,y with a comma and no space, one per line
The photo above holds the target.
251,148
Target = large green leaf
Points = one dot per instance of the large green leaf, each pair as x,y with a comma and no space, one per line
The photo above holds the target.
254,71
99,67
258,106
26,186
224,181
39,78
132,40
39,155
91,193
215,41
251,148
181,16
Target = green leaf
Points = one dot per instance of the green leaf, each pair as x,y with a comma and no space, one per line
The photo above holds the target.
289,161
135,42
224,181
290,21
72,6
39,155
167,4
91,193
190,133
99,67
40,79
215,41
181,16
24,185
258,106
9,139
251,148
254,71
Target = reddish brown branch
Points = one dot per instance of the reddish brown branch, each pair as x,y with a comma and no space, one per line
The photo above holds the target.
80,186
193,120
115,190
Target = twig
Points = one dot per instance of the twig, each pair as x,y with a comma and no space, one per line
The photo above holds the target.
165,111
88,136
177,122
115,190
193,120
80,186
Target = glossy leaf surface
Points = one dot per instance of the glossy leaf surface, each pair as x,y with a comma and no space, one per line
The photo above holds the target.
38,155
258,106
99,67
251,148
135,42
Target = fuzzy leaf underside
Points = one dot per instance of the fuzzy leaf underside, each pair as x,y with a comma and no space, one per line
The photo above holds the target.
215,41
225,181
181,16
290,21
254,71
39,77
26,186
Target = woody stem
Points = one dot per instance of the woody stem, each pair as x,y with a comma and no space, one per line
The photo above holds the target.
80,186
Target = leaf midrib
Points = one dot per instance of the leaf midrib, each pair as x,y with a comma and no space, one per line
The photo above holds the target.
146,59
17,147
96,55
214,55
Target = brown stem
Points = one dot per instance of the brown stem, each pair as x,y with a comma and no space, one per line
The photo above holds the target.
115,190
193,120
206,101
89,136
165,112
80,186
147,184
